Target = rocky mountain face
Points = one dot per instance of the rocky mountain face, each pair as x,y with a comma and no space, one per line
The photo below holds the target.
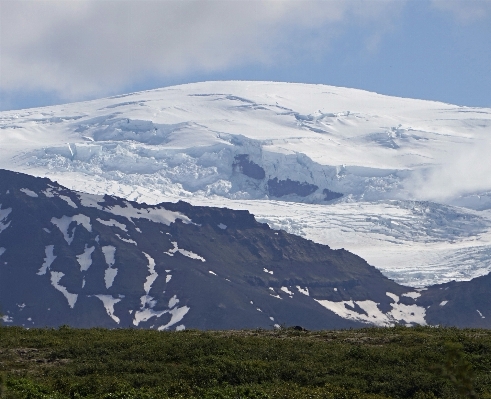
84,260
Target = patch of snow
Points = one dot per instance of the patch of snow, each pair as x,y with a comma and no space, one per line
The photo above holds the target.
48,260
3,215
271,318
222,226
7,319
394,297
49,192
108,301
46,230
285,289
410,314
128,240
85,259
109,254
156,214
335,289
276,296
277,326
69,201
146,314
480,314
64,222
168,277
28,192
147,286
259,310
90,200
113,223
2,251
177,315
443,303
173,302
304,291
212,272
413,295
184,252
267,271
180,327
55,280
109,276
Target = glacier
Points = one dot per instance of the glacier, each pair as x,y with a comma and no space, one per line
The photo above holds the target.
403,183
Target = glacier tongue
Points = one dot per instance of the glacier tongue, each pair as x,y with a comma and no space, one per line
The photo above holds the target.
388,178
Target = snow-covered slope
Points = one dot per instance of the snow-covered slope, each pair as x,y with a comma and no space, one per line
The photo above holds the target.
413,175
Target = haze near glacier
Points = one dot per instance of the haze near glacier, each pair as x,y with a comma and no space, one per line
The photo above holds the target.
414,204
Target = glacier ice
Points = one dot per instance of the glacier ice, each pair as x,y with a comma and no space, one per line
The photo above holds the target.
403,183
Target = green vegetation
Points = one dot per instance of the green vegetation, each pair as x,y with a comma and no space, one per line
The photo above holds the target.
372,363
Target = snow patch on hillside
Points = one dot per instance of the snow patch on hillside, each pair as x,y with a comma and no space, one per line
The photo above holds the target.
113,223
64,223
4,213
48,260
110,273
370,313
108,301
55,280
85,258
184,252
28,192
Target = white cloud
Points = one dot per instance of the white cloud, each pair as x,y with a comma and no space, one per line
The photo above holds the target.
461,172
465,11
84,48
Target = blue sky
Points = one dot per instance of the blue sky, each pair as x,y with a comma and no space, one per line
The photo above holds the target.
62,51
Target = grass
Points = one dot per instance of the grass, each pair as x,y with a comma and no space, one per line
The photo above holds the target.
372,363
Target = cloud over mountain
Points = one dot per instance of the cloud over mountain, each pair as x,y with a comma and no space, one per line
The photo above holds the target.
85,48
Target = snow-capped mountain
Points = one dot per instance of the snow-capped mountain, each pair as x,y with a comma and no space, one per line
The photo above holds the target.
73,258
403,183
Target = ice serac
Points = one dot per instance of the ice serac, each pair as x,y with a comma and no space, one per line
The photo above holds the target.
248,167
280,188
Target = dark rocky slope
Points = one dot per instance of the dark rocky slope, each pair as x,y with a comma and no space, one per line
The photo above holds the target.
86,260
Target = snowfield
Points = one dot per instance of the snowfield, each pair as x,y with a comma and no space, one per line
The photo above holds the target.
403,183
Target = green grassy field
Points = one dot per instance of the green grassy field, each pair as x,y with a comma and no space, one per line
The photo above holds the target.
373,363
